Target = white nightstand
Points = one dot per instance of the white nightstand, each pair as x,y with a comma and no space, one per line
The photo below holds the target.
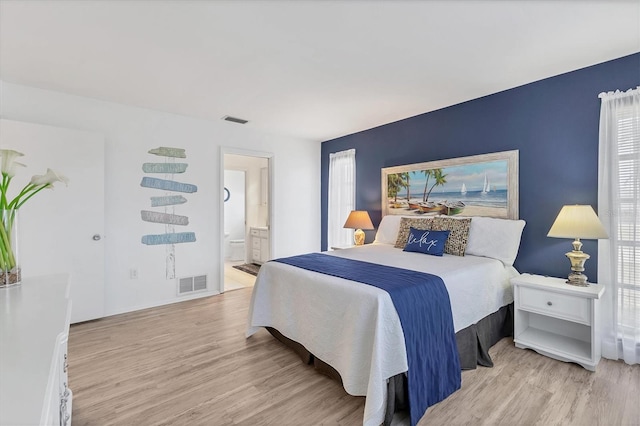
556,319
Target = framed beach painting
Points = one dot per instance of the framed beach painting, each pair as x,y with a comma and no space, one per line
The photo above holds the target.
479,185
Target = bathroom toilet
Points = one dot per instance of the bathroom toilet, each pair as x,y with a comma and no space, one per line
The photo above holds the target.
236,250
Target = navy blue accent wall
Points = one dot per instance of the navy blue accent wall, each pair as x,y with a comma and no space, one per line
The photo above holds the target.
552,122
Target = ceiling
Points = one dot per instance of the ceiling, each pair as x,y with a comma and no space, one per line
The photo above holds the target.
314,70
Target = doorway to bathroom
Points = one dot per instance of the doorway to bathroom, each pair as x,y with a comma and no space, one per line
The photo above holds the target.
234,227
245,217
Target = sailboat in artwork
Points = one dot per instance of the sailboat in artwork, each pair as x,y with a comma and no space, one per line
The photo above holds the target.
487,185
463,190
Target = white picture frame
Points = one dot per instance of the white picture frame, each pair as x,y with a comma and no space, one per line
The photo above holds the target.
478,185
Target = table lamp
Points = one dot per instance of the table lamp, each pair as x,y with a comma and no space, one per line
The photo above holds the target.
577,222
358,220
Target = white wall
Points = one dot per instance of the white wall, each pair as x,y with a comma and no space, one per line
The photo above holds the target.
129,133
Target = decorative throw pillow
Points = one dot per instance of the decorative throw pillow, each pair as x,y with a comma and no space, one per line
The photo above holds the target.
408,222
426,241
495,238
388,229
457,241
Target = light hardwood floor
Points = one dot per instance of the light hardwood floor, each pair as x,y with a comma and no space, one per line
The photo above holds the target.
190,364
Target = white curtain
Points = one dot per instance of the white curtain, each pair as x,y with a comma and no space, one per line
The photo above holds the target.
619,208
342,196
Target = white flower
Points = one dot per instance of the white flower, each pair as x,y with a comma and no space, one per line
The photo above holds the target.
8,166
48,179
38,183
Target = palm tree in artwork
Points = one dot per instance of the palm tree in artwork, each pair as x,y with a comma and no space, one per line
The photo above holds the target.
394,183
440,179
407,184
427,174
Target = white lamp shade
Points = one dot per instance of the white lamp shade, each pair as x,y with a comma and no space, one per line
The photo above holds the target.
358,219
577,221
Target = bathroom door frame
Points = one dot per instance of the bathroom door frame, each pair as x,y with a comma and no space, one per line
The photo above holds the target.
271,197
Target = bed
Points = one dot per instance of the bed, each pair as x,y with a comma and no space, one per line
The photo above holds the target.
354,329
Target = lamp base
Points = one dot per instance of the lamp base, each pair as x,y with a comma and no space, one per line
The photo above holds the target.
578,279
577,258
358,237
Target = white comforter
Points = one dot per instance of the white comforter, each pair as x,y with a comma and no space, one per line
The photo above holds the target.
354,327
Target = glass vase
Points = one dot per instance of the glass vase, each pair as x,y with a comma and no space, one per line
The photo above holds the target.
10,273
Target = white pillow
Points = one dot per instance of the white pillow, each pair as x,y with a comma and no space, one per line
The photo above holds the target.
495,238
388,229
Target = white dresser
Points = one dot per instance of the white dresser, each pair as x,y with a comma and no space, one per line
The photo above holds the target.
259,244
34,328
558,320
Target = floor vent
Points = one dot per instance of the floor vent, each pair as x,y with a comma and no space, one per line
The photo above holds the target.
192,284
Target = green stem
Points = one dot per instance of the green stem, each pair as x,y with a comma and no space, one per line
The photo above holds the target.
5,186
3,263
27,188
9,259
16,203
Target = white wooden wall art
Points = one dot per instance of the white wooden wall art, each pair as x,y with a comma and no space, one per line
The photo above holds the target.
167,203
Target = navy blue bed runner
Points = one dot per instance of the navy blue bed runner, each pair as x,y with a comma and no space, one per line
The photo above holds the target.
424,309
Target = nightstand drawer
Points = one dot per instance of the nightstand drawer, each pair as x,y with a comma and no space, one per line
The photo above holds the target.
572,308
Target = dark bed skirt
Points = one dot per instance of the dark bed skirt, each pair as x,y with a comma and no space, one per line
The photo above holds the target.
473,347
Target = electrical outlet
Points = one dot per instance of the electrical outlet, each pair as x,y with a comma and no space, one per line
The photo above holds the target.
133,273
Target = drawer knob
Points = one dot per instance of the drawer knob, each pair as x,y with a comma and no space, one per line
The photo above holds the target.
549,303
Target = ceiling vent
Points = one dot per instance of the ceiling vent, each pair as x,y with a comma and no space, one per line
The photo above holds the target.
235,119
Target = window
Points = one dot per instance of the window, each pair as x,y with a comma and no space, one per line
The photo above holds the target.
342,196
619,206
627,234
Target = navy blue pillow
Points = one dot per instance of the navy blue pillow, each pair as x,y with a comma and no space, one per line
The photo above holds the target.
426,241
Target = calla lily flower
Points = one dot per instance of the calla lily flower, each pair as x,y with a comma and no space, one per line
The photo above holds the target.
48,179
11,171
8,163
9,266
